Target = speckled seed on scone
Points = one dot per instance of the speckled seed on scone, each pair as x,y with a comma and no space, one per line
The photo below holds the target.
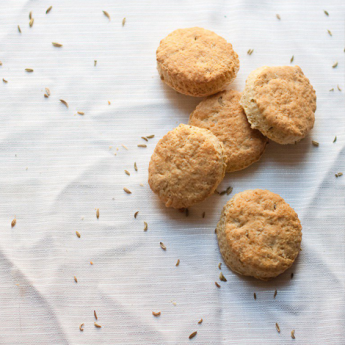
196,62
223,115
280,102
186,167
259,234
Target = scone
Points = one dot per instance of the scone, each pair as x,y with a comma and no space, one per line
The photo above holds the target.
196,62
223,115
186,167
280,102
259,234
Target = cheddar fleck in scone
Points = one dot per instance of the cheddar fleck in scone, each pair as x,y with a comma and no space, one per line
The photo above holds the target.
223,115
259,234
196,62
186,167
280,102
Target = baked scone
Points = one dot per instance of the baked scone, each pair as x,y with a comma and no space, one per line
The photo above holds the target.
259,234
223,115
196,62
186,167
280,102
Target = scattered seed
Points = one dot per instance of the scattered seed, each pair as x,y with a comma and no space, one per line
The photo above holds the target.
75,279
200,321
330,33
127,190
335,139
30,14
80,112
335,64
97,325
332,89
78,234
293,334
64,102
221,277
254,295
125,147
20,31
339,174
275,294
277,327
127,172
218,286
326,13
135,214
141,185
135,166
91,262
4,80
49,9
163,246
123,21
193,335
0,63
144,138
338,87
109,103
156,313
186,211
81,327
292,58
29,70
178,262
278,16
46,96
14,222
203,215
58,45
95,63
229,190
142,145
250,51
146,226
95,314
222,193
31,22
291,276
47,91
107,14
220,265
150,136
315,143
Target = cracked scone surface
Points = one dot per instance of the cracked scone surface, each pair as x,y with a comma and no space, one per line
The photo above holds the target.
280,102
223,115
259,234
196,62
186,167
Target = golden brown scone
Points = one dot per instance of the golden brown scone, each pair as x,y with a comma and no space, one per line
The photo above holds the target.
223,115
259,234
196,62
280,102
186,167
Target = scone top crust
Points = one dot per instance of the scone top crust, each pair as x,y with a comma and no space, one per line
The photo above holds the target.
259,234
187,165
195,56
223,115
280,102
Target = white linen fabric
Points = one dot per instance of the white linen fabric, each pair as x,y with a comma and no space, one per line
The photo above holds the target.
57,167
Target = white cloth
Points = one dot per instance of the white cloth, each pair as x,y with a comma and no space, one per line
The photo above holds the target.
58,167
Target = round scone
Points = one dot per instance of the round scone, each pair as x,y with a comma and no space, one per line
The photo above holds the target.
259,234
223,115
280,102
196,62
186,167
